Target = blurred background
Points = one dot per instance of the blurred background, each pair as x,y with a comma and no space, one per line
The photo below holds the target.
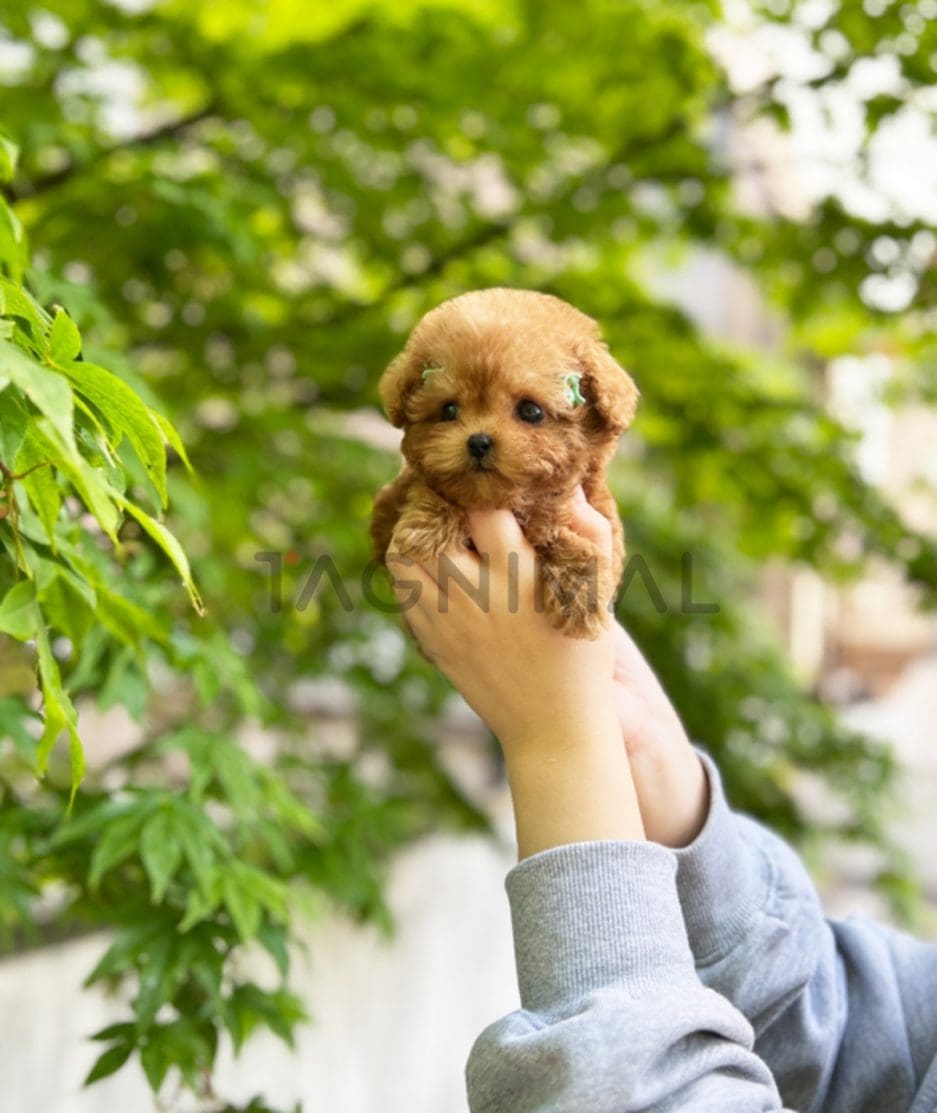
245,206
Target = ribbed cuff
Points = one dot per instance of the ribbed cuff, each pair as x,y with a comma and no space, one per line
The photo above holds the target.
594,914
722,878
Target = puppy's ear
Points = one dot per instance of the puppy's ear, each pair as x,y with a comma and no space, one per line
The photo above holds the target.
608,388
397,383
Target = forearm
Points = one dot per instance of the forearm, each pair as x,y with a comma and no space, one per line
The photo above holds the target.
672,789
571,783
668,776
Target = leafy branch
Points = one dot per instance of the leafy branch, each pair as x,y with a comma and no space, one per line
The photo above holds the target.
171,129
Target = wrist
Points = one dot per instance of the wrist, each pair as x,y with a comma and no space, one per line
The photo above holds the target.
574,786
553,730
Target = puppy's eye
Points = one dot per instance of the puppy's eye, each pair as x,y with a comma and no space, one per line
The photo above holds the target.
449,412
530,412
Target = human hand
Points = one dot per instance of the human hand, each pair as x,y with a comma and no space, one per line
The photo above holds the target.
547,697
669,778
527,681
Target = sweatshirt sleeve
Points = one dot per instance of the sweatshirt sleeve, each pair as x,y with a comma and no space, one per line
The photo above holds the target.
842,1013
613,1016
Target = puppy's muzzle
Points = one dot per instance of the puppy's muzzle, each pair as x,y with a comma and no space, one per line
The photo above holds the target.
479,445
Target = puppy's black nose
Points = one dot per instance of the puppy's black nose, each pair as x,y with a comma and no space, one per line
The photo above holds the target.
479,445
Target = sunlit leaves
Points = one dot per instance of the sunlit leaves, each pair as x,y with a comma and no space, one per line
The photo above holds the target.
160,852
170,546
50,451
58,710
113,1058
211,891
18,612
47,391
64,339
9,154
124,416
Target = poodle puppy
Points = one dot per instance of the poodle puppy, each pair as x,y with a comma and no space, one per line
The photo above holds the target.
508,398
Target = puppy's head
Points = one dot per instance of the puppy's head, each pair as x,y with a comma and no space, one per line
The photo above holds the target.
504,393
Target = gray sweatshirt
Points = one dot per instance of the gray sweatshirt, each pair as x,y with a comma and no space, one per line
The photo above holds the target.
704,979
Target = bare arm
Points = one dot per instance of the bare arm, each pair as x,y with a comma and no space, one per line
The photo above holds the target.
548,698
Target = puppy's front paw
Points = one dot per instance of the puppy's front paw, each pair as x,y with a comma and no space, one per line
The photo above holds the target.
424,541
572,589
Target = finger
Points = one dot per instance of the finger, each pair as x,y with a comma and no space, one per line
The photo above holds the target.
497,533
589,523
460,577
455,564
413,584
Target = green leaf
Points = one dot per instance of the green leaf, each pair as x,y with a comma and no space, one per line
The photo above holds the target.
273,939
160,852
240,1019
40,485
170,547
109,1062
285,1013
277,844
14,418
269,891
235,774
9,155
86,826
12,244
95,444
125,620
247,892
201,903
186,1044
122,954
121,1031
249,1006
18,614
172,438
48,391
280,1010
87,481
202,844
14,714
119,842
67,601
244,908
153,990
125,415
17,302
155,1060
64,338
125,684
198,956
59,713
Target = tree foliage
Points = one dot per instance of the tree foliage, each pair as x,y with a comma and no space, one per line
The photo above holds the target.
236,211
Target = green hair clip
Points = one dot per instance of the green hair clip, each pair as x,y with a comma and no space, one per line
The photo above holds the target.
573,394
427,371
